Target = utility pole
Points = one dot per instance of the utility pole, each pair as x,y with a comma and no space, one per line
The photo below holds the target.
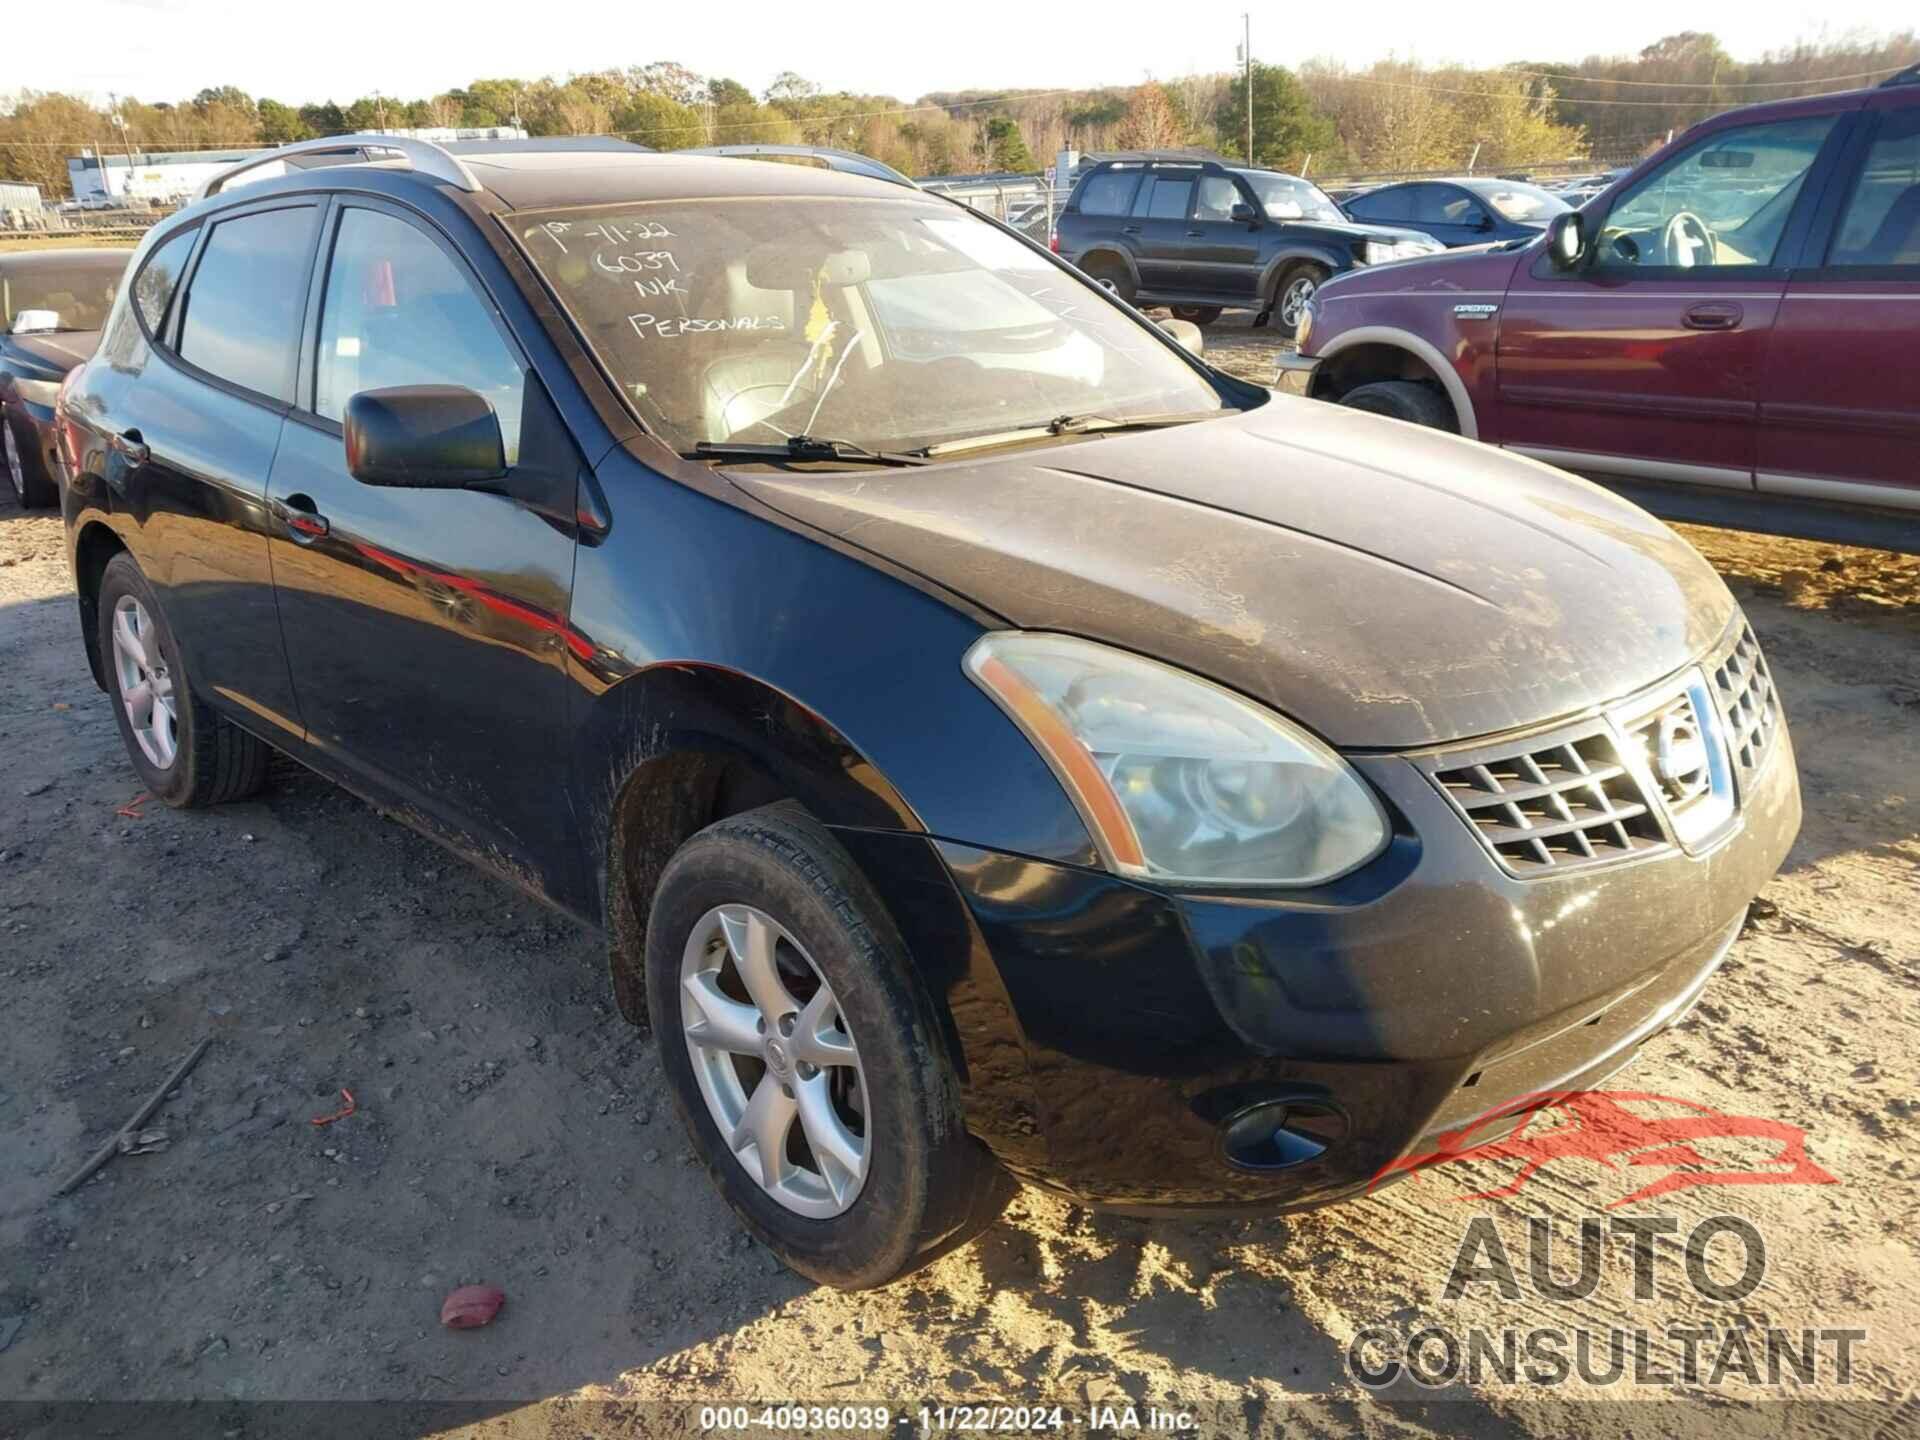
126,141
1246,56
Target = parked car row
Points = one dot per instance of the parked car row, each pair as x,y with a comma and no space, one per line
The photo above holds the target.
1727,334
993,741
52,304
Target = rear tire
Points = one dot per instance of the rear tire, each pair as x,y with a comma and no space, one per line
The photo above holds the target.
27,477
187,755
1197,314
1409,400
771,893
1105,270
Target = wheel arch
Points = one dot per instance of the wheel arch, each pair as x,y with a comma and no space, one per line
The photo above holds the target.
95,546
1381,352
1106,251
680,745
1285,259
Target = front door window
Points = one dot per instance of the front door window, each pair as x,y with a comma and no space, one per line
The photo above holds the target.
1724,203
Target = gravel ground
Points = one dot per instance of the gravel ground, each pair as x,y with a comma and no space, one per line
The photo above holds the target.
512,1129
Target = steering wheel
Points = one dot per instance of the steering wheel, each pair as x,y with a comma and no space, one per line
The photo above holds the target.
1685,238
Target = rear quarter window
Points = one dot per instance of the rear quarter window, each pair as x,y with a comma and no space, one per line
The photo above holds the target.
1110,193
159,277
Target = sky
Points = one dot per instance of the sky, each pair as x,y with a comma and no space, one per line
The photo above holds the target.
169,49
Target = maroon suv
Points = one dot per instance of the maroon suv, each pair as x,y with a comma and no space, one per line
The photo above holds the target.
1730,333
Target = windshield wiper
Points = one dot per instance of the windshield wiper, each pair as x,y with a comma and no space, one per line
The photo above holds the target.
800,447
1073,425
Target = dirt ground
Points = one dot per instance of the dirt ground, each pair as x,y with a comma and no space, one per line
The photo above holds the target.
512,1129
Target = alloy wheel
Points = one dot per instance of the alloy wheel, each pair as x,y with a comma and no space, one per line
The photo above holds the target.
1294,301
774,1061
146,685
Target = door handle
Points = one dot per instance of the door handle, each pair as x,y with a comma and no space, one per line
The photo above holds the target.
303,522
1716,316
1129,229
1196,234
129,447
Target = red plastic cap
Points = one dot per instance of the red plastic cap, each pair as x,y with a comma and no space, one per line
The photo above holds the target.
472,1306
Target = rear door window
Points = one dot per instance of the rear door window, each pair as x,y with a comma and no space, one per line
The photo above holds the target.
244,305
1881,224
1109,193
1383,206
1165,197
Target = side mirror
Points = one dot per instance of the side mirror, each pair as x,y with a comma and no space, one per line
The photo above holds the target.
33,322
1185,334
1485,222
423,437
1566,239
1244,214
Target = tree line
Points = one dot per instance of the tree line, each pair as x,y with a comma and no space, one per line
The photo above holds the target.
1317,117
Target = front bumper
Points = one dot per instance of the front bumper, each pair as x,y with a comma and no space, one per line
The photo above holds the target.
1295,375
1107,1029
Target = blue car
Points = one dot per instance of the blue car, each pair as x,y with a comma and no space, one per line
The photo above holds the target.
1472,210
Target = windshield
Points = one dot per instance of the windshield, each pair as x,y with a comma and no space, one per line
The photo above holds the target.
1519,202
79,292
889,324
1284,197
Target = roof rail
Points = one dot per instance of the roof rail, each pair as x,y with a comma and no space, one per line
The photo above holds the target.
1908,76
425,156
848,161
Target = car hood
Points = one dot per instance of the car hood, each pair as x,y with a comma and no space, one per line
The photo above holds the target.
1486,266
1351,230
51,354
1391,587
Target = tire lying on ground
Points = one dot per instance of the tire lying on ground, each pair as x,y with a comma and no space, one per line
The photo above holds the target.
805,1055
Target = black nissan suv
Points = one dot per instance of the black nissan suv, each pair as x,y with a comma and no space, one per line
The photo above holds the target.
992,741
1203,237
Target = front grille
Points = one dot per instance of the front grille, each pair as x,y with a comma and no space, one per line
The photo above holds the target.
1553,806
1744,687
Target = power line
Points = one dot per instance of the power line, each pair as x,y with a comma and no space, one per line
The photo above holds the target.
1704,84
1485,94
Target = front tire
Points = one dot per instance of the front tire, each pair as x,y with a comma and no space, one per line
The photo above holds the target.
187,755
1292,292
26,470
805,1056
1407,400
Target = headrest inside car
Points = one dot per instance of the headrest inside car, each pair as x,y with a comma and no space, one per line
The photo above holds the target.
778,267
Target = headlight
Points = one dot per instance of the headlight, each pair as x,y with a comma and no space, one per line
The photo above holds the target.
1176,777
1378,252
1309,313
39,392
